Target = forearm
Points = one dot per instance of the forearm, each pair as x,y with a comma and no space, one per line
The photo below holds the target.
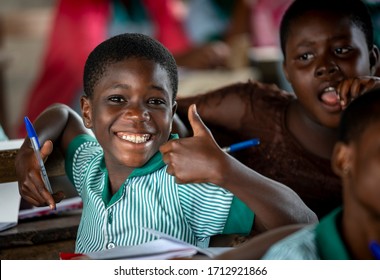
274,204
60,124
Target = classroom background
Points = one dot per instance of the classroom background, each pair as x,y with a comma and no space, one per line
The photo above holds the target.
24,26
24,32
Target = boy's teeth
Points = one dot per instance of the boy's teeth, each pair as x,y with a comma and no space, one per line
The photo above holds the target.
329,89
136,138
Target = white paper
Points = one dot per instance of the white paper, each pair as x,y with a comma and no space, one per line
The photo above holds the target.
66,204
159,249
11,144
210,251
164,248
9,205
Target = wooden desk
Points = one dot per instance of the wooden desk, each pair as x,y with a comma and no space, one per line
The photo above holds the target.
40,238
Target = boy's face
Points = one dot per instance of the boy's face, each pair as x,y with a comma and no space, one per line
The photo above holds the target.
131,112
323,49
362,175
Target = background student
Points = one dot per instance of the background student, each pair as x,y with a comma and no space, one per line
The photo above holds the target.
327,68
130,84
353,230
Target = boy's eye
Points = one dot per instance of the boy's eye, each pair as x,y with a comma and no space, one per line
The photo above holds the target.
342,50
116,99
156,101
306,56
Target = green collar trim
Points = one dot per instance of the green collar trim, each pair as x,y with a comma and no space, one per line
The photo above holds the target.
329,241
155,163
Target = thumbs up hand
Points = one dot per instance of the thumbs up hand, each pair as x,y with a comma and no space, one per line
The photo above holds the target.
196,159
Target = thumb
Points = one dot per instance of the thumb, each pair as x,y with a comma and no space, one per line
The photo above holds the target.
46,149
197,125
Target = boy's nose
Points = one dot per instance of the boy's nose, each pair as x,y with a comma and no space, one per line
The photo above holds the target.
327,68
137,113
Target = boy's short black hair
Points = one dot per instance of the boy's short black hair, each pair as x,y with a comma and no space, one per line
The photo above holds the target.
356,10
125,46
360,113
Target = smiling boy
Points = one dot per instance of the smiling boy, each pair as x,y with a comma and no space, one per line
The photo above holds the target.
130,84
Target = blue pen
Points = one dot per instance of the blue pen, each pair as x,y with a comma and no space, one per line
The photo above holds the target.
375,249
36,147
241,145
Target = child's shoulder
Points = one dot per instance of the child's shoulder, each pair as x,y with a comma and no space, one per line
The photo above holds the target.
82,141
254,90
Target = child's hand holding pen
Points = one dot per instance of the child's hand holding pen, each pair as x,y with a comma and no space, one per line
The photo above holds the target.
33,182
199,158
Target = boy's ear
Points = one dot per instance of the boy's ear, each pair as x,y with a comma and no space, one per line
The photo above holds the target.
341,159
86,111
174,107
374,59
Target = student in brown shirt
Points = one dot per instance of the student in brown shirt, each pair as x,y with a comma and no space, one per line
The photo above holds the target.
327,68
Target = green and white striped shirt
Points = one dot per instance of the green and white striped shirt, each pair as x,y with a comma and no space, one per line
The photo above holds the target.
149,198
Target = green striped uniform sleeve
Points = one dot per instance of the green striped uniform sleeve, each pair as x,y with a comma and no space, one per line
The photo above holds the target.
73,146
240,218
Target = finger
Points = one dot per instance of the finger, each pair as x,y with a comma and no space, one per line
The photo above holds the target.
38,190
30,186
47,197
32,201
46,150
32,194
343,92
356,89
168,147
197,125
58,196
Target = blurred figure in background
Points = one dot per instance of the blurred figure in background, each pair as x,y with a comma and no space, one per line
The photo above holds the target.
265,21
197,32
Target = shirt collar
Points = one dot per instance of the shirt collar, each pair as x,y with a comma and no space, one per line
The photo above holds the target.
328,238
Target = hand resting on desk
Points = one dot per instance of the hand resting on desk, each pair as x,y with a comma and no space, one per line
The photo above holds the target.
31,185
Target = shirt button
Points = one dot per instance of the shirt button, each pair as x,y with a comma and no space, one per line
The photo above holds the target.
111,245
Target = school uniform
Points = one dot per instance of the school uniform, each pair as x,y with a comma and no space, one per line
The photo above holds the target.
149,198
322,241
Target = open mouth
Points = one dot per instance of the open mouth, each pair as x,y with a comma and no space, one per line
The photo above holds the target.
134,138
330,96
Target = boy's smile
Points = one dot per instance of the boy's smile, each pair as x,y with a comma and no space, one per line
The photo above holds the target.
131,113
322,50
139,138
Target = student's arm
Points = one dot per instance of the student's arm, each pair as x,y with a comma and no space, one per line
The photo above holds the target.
256,247
199,159
225,107
56,126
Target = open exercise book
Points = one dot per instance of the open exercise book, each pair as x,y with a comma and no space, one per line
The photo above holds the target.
163,248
